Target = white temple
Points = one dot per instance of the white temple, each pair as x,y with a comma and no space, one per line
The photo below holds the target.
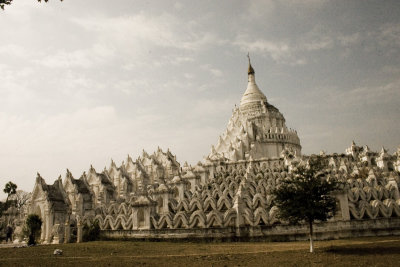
226,196
256,129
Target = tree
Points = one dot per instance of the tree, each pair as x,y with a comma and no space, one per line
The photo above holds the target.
2,208
307,195
4,2
8,2
21,199
10,189
33,224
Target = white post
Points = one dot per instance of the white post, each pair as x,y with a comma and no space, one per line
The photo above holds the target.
311,237
67,232
344,205
79,233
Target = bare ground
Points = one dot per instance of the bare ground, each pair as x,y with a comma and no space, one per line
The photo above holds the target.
382,251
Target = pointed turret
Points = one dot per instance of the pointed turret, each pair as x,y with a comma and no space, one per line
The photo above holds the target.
252,93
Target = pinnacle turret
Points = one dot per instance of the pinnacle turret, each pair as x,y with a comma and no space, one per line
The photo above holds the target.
253,93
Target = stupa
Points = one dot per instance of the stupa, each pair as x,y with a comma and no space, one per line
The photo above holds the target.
256,130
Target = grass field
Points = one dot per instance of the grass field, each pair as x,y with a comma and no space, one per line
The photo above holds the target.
382,251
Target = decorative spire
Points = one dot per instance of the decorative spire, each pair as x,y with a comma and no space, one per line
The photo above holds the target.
250,70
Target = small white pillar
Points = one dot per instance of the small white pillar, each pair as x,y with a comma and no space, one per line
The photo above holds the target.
49,227
344,205
67,232
79,233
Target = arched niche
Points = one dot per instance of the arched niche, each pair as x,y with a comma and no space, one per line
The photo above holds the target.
140,217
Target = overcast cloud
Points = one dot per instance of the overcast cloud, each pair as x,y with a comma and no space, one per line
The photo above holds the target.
86,81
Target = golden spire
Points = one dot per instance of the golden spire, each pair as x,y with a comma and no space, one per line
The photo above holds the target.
250,70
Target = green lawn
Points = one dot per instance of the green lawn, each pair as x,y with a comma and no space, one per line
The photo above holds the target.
383,251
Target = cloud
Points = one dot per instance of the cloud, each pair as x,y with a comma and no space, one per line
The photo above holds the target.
349,39
65,59
277,50
83,58
136,86
391,69
147,30
14,89
281,52
294,50
389,34
320,43
174,60
60,131
259,9
344,99
383,93
206,108
262,9
13,50
178,6
214,71
384,39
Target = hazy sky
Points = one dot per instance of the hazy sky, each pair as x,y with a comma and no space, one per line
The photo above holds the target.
86,81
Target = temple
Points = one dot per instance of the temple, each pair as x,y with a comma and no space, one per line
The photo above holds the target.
228,195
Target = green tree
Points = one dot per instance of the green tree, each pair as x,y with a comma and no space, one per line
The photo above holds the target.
307,195
10,189
33,224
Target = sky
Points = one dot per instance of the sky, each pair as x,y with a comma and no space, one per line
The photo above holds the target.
84,82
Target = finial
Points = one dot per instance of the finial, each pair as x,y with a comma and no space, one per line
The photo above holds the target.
250,70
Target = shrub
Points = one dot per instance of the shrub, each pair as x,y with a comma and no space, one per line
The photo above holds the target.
33,226
91,232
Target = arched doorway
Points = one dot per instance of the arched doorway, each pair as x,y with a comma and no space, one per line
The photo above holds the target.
38,211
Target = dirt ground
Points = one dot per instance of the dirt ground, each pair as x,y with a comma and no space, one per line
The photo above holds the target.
382,251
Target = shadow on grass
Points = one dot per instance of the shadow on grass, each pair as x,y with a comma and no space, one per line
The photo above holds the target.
395,250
